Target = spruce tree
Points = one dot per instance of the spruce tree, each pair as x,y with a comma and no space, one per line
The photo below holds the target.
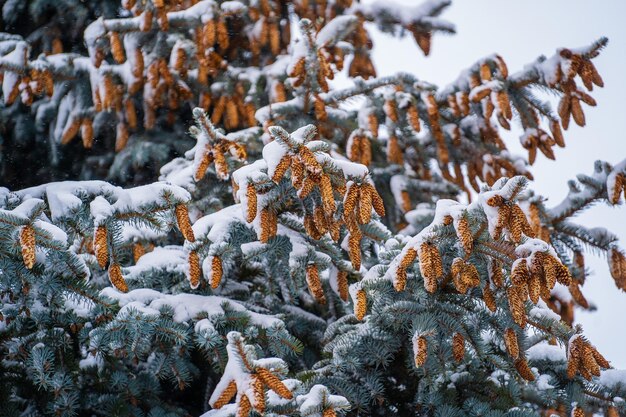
303,250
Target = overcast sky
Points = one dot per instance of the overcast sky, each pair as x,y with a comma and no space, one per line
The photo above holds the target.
520,31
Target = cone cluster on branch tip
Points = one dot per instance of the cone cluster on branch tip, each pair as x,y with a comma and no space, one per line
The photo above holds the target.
464,275
250,380
302,161
213,147
584,359
359,148
510,218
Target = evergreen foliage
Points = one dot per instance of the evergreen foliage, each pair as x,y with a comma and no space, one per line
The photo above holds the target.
319,251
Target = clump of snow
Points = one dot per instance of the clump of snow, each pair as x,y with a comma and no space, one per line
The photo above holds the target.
546,352
186,307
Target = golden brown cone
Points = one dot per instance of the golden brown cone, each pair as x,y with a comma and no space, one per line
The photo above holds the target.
314,283
281,168
194,269
244,406
226,396
617,267
223,40
350,200
274,383
377,201
364,214
329,412
413,117
578,412
266,226
218,110
354,245
320,109
342,285
86,131
232,115
259,394
70,132
100,246
407,260
121,138
252,203
504,105
422,351
116,277
207,158
216,271
406,201
577,295
27,242
458,347
618,187
612,412
510,341
138,251
117,50
519,273
394,153
391,110
577,112
464,234
534,288
360,306
182,218
516,305
489,298
221,166
524,370
373,124
497,277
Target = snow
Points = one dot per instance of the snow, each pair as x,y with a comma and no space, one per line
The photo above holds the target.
171,259
319,397
82,307
613,378
134,199
233,7
54,231
544,351
335,30
186,307
26,209
407,15
542,311
273,152
215,226
351,169
397,184
543,382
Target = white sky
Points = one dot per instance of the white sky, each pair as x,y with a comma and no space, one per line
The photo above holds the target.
520,31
